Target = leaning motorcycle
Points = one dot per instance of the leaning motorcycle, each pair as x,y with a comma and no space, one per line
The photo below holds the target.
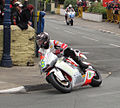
64,73
70,18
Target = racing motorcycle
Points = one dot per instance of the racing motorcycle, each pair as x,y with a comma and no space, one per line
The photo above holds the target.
70,17
64,73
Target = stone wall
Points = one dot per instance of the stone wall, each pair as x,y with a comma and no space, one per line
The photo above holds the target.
22,48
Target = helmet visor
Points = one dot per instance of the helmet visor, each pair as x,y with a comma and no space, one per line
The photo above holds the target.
40,42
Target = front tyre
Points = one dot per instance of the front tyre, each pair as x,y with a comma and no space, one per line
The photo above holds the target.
64,87
67,23
71,22
97,80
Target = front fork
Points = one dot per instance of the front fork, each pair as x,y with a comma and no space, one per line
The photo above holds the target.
57,73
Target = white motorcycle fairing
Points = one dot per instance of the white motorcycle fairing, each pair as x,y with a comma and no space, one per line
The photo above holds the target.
65,73
71,14
77,78
58,74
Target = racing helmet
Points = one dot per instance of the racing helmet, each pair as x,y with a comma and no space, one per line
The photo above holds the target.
70,6
43,40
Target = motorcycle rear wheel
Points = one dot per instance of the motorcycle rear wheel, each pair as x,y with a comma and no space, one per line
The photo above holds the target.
97,80
58,85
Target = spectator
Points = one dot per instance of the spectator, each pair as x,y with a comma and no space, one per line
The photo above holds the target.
40,25
16,11
13,2
25,4
116,8
79,2
25,17
84,5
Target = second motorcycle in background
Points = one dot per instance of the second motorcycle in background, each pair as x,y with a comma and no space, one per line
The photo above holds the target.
69,15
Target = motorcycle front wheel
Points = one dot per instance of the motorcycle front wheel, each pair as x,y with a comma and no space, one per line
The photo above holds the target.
97,80
71,22
64,87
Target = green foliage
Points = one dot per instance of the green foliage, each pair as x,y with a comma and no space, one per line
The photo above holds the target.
47,1
97,8
67,2
61,1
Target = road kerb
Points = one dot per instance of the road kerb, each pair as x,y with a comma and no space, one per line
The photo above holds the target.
20,89
28,88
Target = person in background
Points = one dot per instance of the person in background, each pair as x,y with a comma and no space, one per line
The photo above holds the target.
25,4
26,14
16,11
84,5
14,1
12,5
25,17
40,24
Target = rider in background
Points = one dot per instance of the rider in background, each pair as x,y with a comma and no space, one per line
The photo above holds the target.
57,47
68,9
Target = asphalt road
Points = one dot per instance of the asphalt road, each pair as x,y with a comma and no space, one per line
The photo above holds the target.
102,50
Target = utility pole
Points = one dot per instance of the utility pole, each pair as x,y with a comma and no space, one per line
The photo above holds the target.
6,58
35,25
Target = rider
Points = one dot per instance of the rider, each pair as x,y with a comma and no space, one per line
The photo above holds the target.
44,43
68,9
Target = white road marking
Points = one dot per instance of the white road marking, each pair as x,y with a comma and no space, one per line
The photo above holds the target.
57,28
14,90
85,52
106,31
69,32
2,82
89,38
114,45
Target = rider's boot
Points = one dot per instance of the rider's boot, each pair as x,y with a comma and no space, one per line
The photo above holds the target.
83,66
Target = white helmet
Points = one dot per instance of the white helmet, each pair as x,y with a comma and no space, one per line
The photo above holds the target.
18,4
70,6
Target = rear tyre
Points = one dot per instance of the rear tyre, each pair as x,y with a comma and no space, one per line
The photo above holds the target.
97,80
58,85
